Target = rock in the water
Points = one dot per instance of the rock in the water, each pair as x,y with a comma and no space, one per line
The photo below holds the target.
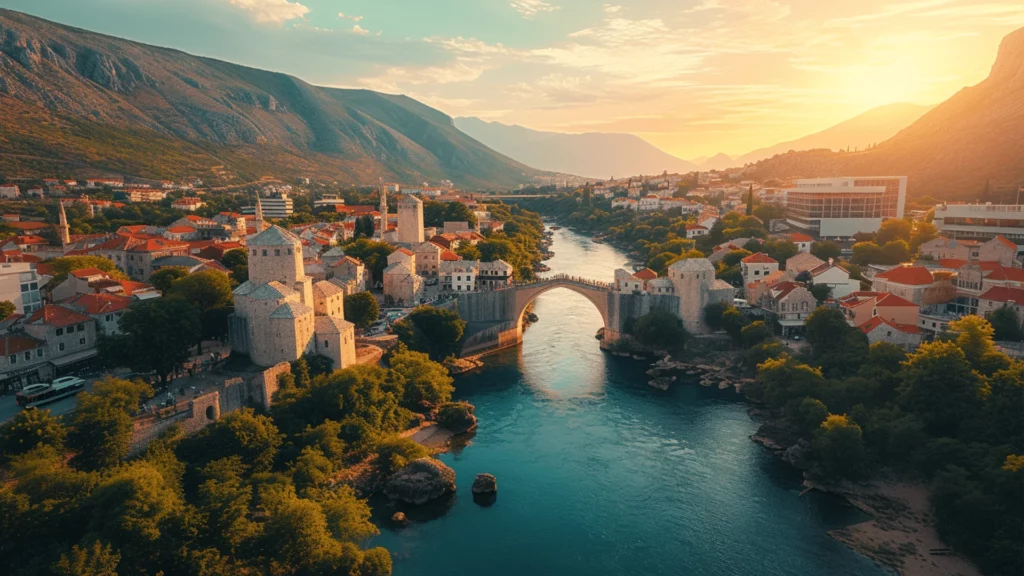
485,484
662,383
399,518
421,481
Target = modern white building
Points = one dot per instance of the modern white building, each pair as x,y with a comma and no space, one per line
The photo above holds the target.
19,285
279,206
841,207
981,221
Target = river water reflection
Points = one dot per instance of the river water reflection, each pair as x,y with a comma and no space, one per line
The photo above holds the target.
600,474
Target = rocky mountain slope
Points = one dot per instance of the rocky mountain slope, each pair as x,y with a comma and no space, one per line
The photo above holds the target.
595,155
952,150
76,99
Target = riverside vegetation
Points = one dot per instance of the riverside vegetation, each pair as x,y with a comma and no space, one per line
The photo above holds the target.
251,494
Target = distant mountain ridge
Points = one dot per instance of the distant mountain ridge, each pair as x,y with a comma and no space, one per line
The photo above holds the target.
975,136
74,98
596,155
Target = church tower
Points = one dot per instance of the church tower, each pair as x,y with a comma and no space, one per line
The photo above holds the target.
64,229
383,209
410,220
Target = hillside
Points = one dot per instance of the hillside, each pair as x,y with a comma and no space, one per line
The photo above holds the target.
76,100
596,155
861,131
976,135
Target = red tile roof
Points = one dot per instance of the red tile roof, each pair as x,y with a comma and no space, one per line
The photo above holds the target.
450,256
57,316
27,225
907,275
1004,294
99,303
799,237
952,263
646,274
1006,273
16,343
181,230
887,299
759,258
87,272
877,321
405,251
1006,242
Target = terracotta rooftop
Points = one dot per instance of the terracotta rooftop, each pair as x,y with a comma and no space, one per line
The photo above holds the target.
99,303
887,299
57,316
88,272
800,237
449,256
877,321
907,275
759,258
646,274
1007,274
16,343
1004,294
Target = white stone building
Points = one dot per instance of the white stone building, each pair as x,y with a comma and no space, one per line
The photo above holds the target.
410,220
280,314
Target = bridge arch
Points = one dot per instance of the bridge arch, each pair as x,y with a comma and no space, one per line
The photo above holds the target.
597,294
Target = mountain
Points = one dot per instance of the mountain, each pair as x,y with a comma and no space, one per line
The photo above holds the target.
717,162
951,151
861,131
74,101
596,155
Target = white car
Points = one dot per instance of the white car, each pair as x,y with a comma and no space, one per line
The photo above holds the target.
67,382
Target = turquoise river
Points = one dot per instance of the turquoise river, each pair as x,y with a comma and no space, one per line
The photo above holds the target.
599,474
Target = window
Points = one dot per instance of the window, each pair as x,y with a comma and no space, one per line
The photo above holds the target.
108,317
39,352
289,251
81,341
60,346
13,359
81,327
277,252
28,356
326,344
264,252
60,331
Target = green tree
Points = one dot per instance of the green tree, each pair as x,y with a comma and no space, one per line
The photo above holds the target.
1006,325
101,425
659,329
243,433
394,452
750,201
426,382
975,336
64,265
713,314
755,333
29,429
96,559
237,262
826,249
839,447
821,292
923,232
348,517
894,230
894,252
733,322
838,347
210,292
785,379
372,253
456,416
224,500
939,385
164,278
435,331
361,309
809,414
865,253
469,252
6,309
162,350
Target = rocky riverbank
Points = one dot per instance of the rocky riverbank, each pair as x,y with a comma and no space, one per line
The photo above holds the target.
901,535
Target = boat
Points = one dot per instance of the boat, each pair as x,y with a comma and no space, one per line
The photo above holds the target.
39,394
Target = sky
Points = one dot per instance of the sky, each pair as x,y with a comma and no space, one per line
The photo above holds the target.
694,77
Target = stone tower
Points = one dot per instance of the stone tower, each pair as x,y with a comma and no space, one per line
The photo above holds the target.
695,286
275,255
63,229
383,210
89,206
410,220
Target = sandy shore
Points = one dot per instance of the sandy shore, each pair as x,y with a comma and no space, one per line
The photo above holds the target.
431,436
902,535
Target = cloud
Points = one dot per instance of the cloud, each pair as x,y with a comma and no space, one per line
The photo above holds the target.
352,18
357,29
530,8
272,11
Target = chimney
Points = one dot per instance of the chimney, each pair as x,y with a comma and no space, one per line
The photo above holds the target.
830,260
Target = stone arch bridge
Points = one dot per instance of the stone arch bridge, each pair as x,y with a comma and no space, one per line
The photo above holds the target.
494,319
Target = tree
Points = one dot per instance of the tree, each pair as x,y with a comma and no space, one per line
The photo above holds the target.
659,329
755,333
865,253
713,314
426,381
101,425
469,252
839,447
394,452
435,331
1006,325
210,292
28,429
838,347
826,249
237,262
810,413
361,309
6,309
892,230
348,517
974,335
939,385
894,252
733,322
786,379
821,292
243,433
224,499
164,278
459,212
750,201
161,350
365,228
372,253
65,264
456,416
96,559
923,232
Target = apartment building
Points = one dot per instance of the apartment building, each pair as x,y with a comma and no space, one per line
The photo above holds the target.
841,207
981,221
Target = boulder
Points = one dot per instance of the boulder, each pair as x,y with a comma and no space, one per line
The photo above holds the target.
485,484
399,518
421,481
662,383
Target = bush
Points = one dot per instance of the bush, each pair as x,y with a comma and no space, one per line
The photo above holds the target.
394,452
659,330
457,416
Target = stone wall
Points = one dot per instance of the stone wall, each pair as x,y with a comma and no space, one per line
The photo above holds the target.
191,416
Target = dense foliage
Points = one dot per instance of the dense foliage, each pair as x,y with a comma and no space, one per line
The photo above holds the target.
361,309
435,331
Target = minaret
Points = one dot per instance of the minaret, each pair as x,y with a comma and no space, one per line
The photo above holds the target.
65,230
259,214
89,206
383,209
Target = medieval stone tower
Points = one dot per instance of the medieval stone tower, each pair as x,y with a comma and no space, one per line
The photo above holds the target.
410,220
696,287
